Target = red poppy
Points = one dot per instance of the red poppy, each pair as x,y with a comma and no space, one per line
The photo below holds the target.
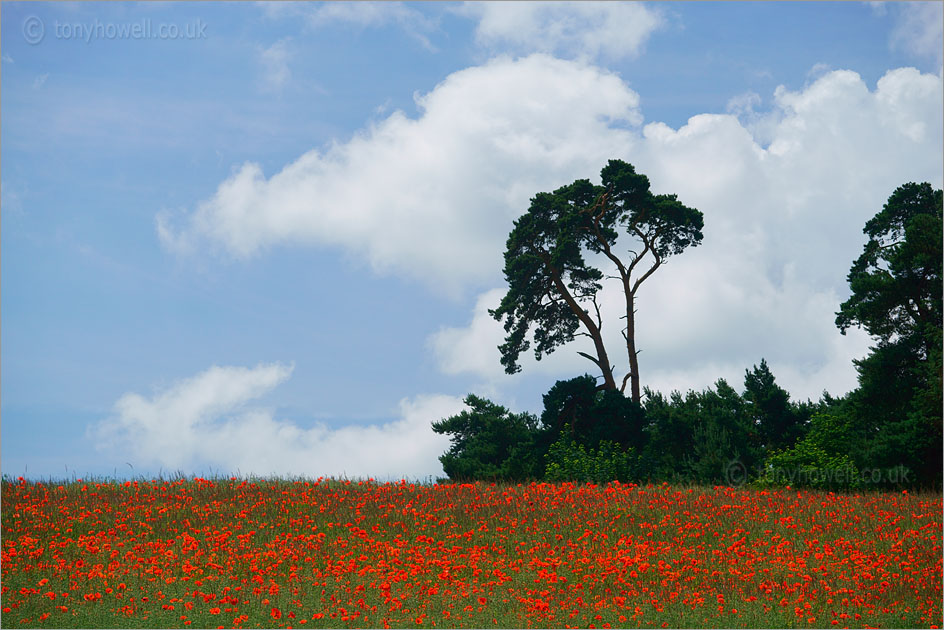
383,555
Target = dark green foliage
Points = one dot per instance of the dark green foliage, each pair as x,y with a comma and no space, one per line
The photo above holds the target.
552,289
569,402
888,432
928,400
723,434
489,442
896,297
887,383
777,423
671,433
698,436
924,416
592,415
896,282
545,268
713,453
897,408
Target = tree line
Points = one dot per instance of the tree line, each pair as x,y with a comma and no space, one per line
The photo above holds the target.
885,433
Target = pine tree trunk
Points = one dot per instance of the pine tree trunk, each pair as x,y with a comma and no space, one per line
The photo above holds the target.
631,346
609,382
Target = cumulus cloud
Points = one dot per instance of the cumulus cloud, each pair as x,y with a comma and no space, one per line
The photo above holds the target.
430,197
782,226
473,348
785,194
585,30
711,313
205,420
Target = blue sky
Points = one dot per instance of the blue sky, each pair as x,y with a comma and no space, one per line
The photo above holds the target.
269,244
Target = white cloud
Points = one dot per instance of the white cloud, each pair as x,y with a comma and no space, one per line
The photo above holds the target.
374,14
785,196
274,61
7,58
582,29
761,125
743,103
818,70
782,227
40,80
711,313
430,197
362,14
205,421
473,348
918,29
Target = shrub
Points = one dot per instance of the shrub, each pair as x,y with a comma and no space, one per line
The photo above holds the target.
490,443
569,461
817,460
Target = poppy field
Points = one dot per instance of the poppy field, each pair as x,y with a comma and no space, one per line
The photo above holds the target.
328,553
